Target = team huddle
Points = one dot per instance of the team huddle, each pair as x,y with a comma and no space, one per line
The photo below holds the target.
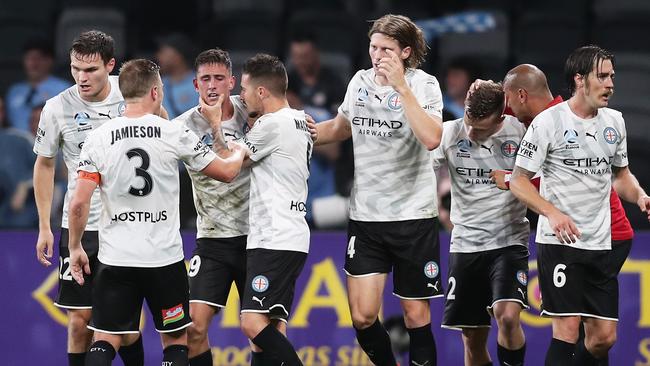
248,158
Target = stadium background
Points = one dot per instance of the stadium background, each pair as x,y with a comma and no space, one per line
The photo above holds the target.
494,34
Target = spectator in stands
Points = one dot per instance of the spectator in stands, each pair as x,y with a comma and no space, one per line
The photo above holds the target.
461,72
38,59
175,55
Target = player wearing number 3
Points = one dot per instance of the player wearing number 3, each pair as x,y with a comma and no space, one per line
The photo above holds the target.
133,159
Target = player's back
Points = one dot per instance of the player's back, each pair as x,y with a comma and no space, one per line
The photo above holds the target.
137,159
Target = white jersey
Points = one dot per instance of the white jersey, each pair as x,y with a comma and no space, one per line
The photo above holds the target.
137,159
65,122
393,176
222,208
484,216
280,146
576,157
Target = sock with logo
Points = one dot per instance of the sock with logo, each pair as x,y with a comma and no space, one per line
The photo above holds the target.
175,355
277,346
76,359
375,341
204,359
422,346
560,353
101,353
133,354
583,356
509,357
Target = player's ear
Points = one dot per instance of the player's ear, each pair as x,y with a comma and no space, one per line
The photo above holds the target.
232,82
196,84
406,52
110,65
578,80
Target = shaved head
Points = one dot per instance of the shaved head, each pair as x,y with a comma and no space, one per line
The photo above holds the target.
527,77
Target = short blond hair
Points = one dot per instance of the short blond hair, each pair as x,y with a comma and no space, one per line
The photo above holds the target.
137,77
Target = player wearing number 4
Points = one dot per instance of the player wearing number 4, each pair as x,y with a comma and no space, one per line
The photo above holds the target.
578,145
488,261
65,122
133,159
393,114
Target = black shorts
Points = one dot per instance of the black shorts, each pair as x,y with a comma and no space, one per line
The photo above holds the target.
620,251
271,281
409,248
119,291
578,282
216,263
71,295
479,280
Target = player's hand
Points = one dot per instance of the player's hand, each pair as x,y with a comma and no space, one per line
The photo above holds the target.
212,112
499,178
393,69
79,264
236,148
475,85
44,245
565,229
311,126
644,205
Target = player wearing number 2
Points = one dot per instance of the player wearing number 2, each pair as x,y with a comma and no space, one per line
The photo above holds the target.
133,159
578,145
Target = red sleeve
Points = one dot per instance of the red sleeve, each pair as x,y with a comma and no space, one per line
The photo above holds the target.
95,177
536,182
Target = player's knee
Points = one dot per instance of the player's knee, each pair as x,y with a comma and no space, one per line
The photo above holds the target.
77,327
362,320
474,341
250,327
197,332
508,321
601,342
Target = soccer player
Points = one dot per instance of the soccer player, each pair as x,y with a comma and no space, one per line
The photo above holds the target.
280,148
393,113
222,208
577,145
488,263
133,160
65,122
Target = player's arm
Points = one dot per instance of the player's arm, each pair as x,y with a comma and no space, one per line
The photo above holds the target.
502,179
629,189
333,130
77,220
522,187
426,128
213,114
226,169
44,169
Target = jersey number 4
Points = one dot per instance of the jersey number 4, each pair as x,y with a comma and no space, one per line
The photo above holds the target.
141,172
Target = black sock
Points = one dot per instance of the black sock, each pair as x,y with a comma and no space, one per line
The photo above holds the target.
488,364
560,353
76,359
375,341
204,359
277,346
101,353
511,357
583,356
263,359
422,346
175,355
133,354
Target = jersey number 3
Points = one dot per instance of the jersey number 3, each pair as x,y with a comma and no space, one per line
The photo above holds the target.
141,172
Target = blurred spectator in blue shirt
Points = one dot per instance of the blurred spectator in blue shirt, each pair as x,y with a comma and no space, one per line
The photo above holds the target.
175,56
461,73
38,59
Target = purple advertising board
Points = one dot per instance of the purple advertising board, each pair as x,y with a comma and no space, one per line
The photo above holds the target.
34,331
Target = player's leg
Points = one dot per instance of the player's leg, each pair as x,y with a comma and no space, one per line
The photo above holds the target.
511,342
259,329
600,336
131,349
102,351
475,344
79,336
197,334
175,351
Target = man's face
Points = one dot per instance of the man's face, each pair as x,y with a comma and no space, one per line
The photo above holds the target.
212,80
599,84
379,46
517,102
304,57
481,129
250,97
37,65
169,59
90,74
457,83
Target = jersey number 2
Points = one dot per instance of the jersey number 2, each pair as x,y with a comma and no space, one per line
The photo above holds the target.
141,171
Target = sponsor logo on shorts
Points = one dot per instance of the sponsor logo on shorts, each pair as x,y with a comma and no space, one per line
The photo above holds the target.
522,277
260,283
431,269
173,314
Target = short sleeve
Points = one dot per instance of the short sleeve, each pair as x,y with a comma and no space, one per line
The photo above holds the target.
534,146
189,149
263,138
87,157
48,135
346,107
427,92
620,155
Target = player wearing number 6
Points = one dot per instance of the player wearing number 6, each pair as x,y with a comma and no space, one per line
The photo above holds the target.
133,159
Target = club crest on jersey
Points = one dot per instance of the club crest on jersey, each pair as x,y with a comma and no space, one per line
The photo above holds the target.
121,108
610,135
509,148
173,314
394,102
260,283
431,269
82,119
522,277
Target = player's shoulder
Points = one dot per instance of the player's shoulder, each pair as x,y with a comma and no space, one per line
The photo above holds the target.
54,105
185,117
514,124
612,113
451,129
421,76
363,76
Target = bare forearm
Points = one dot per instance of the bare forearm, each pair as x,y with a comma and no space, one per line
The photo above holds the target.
219,145
334,130
427,129
77,219
526,192
43,192
628,187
